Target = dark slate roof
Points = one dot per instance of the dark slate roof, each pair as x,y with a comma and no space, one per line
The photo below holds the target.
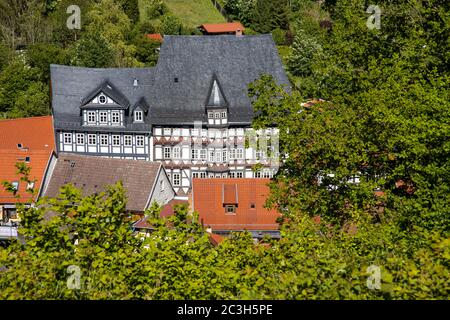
194,61
93,174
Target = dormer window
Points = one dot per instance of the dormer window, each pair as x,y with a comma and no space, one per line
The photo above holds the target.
102,99
138,116
115,117
91,117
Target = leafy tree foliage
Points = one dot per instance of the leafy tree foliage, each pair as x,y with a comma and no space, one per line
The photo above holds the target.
93,51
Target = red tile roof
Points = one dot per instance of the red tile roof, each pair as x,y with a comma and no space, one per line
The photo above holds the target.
155,36
222,27
34,133
37,143
208,201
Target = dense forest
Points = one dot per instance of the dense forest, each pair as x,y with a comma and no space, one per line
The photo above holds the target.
381,112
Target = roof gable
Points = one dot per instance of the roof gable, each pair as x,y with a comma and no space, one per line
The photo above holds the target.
216,98
108,90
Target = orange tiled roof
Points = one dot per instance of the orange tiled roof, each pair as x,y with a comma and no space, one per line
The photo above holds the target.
222,27
37,140
208,197
155,36
38,161
35,133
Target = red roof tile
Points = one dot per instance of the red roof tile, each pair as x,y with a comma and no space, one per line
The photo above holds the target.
222,27
250,212
155,36
35,135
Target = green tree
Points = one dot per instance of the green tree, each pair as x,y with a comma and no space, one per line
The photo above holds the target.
41,55
35,101
170,24
93,51
269,15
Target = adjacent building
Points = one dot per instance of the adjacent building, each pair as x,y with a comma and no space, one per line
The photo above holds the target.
235,28
144,182
233,205
191,112
30,141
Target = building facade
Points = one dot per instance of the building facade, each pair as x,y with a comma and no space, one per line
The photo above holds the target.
191,112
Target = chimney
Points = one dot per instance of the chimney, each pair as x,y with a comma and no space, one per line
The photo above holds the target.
238,32
135,82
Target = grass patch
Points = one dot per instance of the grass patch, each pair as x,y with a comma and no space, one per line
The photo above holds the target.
191,12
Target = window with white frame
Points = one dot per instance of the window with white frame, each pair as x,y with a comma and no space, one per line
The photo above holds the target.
15,185
103,116
195,133
177,132
204,133
139,141
103,139
203,175
92,139
224,155
224,175
116,140
210,115
232,174
176,153
211,155
218,155
239,132
257,174
68,138
30,185
176,179
232,132
240,153
217,115
195,175
232,154
239,174
195,154
211,175
167,131
167,153
138,116
80,138
211,133
115,117
162,185
203,154
91,116
224,114
127,141
102,99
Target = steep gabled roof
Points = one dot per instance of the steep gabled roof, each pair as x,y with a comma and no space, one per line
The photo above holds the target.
93,174
178,87
142,103
216,98
109,90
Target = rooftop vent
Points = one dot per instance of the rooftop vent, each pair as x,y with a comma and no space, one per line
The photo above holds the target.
135,82
175,80
19,145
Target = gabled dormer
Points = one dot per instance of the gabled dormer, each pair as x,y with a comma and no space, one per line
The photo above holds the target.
140,111
104,106
216,104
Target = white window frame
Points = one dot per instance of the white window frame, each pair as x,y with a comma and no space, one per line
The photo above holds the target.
195,175
216,115
140,141
167,131
240,153
127,141
103,138
138,116
210,115
80,138
232,155
67,138
92,137
203,154
195,154
224,155
116,140
103,114
176,179
100,97
239,174
223,114
167,153
176,153
91,114
202,175
113,115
